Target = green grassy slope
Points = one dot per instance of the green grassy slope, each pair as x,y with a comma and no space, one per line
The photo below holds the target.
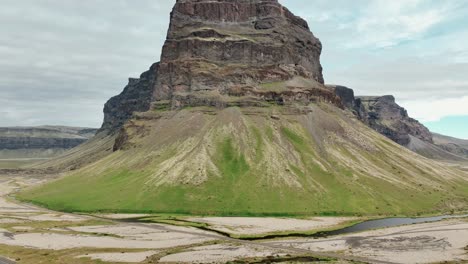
257,161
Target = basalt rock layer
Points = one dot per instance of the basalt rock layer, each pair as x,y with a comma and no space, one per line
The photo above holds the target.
47,137
384,115
136,97
228,53
21,145
224,45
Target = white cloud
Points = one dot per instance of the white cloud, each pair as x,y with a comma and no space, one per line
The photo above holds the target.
61,60
388,23
435,110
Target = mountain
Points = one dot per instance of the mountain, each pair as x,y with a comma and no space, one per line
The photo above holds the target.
453,145
385,116
236,120
226,53
27,144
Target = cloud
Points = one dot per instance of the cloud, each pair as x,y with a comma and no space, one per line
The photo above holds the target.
413,49
62,60
376,23
435,110
383,26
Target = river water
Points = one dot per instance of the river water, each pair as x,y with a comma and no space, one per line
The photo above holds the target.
389,222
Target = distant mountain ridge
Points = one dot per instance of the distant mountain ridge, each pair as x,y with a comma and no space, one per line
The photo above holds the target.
453,145
385,116
40,142
43,137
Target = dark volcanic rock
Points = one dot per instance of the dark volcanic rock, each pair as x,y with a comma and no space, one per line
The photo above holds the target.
222,45
385,116
136,97
223,53
345,94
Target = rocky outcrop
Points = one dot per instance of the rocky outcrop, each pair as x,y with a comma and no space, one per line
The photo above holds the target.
223,45
385,116
346,96
136,97
222,53
14,138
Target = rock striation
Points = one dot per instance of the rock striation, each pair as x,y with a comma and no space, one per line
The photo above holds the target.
227,53
346,96
224,45
246,53
136,97
384,115
48,137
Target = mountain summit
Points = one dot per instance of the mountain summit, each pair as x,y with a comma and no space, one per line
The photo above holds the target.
227,53
235,120
218,48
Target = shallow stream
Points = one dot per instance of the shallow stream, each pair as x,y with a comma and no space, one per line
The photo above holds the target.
388,222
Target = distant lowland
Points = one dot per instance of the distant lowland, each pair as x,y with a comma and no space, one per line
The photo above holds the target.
20,146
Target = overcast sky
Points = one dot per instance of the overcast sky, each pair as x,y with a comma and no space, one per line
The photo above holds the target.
61,60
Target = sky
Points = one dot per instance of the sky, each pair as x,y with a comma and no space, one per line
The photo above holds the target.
61,60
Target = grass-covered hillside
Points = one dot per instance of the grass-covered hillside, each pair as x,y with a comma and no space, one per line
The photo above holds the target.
257,161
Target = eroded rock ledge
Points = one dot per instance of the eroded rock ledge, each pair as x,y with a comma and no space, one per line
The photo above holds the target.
223,53
384,115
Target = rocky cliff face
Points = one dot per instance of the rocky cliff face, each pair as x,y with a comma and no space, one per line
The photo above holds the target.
246,53
346,96
227,53
14,138
136,97
385,116
234,45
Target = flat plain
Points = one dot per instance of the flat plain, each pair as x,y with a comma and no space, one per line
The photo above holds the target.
29,234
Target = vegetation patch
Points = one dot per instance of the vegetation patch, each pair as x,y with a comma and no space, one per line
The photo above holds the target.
248,170
274,86
231,163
